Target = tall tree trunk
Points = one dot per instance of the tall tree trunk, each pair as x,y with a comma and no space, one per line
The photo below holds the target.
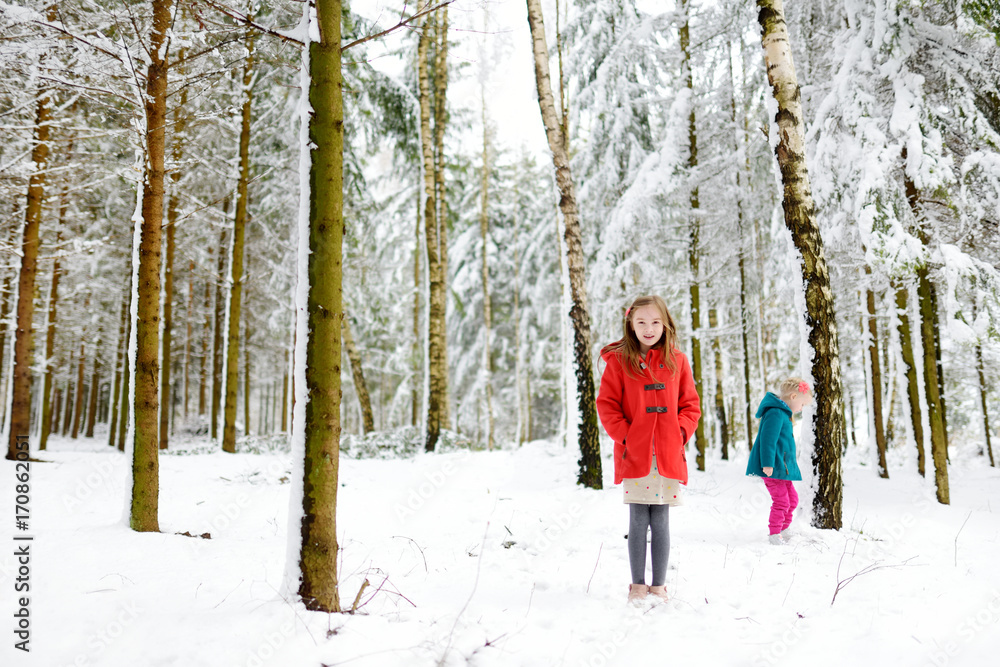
415,351
983,387
8,277
20,405
741,261
286,380
68,417
940,367
145,448
694,251
875,376
57,410
176,154
828,422
440,122
246,379
484,229
522,403
95,388
720,376
120,373
187,340
563,96
123,400
590,452
217,336
50,320
206,337
78,407
437,397
928,323
236,259
323,317
360,386
910,369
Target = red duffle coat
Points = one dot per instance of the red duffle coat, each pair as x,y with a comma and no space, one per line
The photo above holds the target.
656,410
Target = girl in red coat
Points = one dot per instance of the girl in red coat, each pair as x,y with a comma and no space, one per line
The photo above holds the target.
649,406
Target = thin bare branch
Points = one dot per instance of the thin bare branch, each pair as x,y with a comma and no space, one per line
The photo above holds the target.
401,24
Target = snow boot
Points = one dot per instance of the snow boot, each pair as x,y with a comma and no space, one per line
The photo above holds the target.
777,538
659,591
637,593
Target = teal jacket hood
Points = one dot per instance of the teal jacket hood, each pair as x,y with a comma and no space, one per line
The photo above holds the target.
771,401
775,443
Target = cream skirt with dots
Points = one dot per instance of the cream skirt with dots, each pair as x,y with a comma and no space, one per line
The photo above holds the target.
653,489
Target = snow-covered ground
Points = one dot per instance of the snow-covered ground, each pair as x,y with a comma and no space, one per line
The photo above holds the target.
497,558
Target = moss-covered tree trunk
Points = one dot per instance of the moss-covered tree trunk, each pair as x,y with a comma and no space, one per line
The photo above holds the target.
800,218
440,123
910,370
236,258
145,446
246,379
926,304
123,399
360,386
590,450
20,405
982,401
875,376
694,251
324,314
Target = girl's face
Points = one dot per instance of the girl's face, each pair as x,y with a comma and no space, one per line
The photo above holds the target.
797,401
648,325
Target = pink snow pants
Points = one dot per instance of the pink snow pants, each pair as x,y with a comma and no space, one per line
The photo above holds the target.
784,500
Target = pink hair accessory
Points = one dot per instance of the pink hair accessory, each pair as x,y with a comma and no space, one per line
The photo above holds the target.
803,387
628,311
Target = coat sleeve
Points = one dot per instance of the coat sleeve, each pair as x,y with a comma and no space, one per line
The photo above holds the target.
767,439
609,401
688,402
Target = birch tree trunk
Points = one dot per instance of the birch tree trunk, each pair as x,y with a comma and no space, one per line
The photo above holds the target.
828,420
236,259
440,123
360,386
324,316
694,231
145,463
590,452
20,405
206,336
437,400
415,350
8,277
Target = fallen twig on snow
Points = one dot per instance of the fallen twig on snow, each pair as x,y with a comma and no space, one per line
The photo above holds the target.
842,583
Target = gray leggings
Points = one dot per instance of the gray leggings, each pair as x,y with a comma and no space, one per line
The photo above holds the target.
641,519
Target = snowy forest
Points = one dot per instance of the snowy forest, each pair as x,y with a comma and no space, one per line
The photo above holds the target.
302,304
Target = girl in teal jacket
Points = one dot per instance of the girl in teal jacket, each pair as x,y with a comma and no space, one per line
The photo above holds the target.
773,453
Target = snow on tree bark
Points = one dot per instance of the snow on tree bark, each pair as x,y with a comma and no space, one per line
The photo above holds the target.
590,451
145,445
799,213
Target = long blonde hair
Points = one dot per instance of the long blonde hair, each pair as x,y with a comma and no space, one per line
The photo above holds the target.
628,348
